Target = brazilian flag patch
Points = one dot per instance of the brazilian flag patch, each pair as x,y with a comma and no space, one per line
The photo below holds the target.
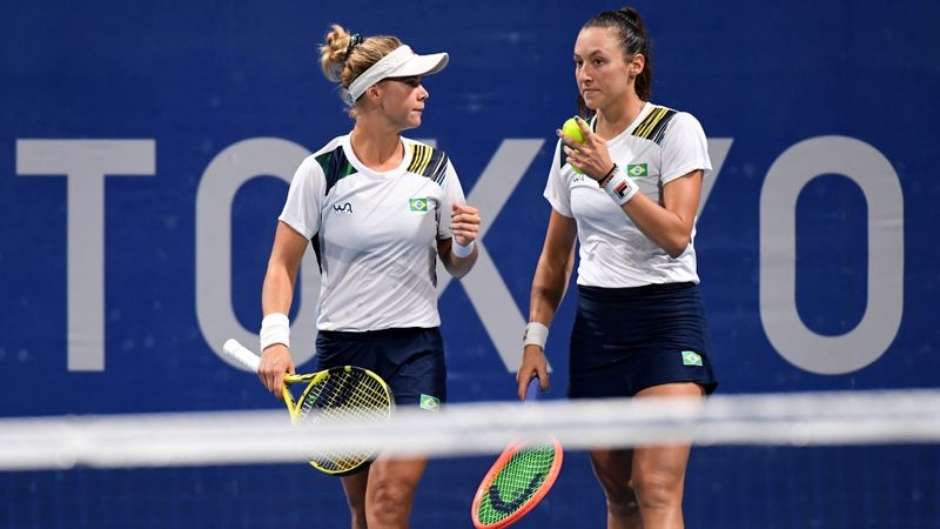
418,205
430,402
691,358
637,169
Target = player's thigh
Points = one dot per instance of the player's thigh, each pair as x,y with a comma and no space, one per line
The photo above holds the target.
664,466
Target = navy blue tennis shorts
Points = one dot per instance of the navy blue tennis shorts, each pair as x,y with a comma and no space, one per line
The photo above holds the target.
410,361
628,339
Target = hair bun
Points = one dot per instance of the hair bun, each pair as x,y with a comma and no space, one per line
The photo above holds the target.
632,16
335,51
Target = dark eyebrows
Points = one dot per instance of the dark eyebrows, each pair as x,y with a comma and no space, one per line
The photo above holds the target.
592,54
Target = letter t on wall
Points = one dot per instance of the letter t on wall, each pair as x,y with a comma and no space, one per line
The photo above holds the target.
85,163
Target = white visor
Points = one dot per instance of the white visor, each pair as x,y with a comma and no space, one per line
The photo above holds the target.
400,62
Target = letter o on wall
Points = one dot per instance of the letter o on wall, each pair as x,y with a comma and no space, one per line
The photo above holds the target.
789,174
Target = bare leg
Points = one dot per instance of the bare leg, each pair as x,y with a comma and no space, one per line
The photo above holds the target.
355,488
613,469
659,471
390,493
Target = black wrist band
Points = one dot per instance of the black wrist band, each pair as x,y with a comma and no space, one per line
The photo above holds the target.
607,176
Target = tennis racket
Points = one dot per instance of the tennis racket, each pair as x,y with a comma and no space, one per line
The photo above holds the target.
338,393
518,480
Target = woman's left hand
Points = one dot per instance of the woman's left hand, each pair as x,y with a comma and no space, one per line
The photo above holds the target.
465,223
591,157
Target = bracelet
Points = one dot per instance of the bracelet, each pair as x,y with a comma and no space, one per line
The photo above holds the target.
462,251
607,176
536,334
619,186
275,328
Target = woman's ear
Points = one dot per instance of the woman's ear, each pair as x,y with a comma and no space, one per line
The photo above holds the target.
374,93
637,64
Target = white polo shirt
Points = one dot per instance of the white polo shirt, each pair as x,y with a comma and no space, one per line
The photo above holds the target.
375,233
659,146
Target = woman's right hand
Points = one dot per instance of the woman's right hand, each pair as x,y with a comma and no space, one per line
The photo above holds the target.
533,365
276,362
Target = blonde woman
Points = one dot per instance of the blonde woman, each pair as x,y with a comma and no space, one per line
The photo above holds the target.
379,210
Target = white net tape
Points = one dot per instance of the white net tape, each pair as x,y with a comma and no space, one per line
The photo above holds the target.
840,418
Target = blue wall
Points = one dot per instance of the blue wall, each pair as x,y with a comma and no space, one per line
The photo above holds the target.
179,88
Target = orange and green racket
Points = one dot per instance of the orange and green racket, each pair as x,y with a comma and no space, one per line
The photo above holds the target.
518,480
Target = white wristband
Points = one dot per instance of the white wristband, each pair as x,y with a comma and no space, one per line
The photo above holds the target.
536,334
275,328
462,251
620,187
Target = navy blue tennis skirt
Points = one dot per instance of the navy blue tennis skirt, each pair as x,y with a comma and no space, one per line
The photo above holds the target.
410,361
628,339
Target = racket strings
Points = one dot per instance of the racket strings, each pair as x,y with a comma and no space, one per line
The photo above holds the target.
516,483
349,396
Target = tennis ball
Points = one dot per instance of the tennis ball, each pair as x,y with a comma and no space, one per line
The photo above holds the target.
572,131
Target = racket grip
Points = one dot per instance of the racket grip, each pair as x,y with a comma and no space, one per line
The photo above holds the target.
240,354
533,390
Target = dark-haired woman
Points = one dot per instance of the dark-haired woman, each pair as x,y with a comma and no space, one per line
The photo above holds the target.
380,210
629,195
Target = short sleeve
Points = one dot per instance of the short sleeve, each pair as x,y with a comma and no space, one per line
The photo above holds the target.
557,191
684,148
305,198
452,194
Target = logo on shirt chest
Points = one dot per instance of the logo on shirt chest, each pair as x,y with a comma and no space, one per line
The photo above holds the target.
637,169
345,208
418,205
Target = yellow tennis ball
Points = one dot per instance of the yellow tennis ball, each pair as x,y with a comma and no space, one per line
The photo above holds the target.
572,131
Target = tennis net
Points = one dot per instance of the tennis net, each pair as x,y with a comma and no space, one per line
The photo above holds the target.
838,459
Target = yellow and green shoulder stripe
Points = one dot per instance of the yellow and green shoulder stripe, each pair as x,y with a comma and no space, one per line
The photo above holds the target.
653,126
429,162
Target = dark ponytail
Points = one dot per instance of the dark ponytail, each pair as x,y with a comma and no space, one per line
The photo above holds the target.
633,39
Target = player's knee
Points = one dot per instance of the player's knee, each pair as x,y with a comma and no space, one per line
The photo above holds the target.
389,501
657,490
621,502
618,492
